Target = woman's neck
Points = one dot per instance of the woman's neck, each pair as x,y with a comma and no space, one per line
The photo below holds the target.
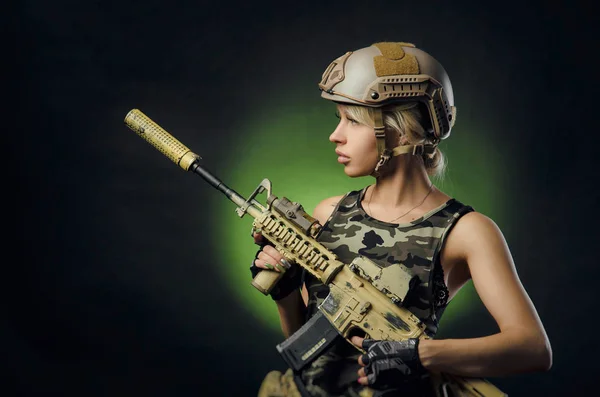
405,187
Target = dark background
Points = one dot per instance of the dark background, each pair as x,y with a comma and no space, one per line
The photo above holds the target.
108,291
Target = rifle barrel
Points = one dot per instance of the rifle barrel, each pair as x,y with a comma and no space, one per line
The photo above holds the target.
177,152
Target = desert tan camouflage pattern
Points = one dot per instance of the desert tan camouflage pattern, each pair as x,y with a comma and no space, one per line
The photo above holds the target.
277,384
350,232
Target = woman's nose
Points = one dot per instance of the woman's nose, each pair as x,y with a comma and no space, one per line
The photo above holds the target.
337,136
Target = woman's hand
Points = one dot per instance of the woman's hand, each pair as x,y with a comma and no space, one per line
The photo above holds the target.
268,257
388,363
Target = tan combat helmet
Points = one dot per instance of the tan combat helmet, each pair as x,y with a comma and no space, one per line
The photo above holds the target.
387,73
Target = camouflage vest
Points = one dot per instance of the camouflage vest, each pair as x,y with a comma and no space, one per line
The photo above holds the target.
350,232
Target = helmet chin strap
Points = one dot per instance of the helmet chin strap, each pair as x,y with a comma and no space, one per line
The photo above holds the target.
385,154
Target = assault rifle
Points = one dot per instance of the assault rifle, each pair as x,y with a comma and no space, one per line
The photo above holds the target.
354,302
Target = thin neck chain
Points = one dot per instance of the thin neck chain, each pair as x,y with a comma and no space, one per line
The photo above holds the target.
406,213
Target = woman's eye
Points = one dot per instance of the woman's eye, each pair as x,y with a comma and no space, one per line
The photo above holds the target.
352,121
337,115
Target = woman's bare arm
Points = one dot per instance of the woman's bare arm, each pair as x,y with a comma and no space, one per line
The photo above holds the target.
521,345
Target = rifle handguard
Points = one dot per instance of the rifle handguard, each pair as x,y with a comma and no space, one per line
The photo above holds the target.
283,234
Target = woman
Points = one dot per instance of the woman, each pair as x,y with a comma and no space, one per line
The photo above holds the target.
395,104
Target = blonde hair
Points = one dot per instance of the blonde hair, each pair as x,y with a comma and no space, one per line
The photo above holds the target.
406,121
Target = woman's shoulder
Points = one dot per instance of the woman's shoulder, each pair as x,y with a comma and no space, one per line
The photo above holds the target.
475,223
474,231
325,208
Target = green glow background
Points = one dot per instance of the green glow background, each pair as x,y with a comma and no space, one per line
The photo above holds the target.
128,276
288,144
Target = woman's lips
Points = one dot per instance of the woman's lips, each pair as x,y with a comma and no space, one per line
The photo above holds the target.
342,158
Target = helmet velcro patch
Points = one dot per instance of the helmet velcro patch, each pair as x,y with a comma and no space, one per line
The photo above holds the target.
394,60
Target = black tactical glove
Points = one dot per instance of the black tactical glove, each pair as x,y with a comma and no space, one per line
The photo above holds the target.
290,281
390,364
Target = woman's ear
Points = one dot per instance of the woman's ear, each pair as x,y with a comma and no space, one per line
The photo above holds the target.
403,140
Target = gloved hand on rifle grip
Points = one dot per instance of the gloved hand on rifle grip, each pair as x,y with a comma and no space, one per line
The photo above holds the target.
389,364
267,257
